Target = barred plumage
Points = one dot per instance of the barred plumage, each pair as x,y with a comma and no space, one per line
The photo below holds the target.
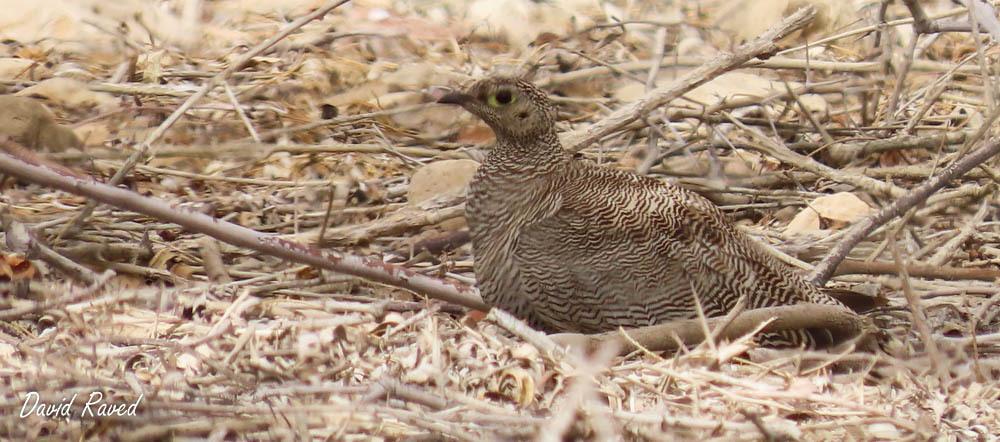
570,246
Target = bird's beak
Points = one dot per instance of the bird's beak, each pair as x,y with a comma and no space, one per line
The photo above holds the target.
455,98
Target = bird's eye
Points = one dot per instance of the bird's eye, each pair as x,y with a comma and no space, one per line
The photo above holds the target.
501,98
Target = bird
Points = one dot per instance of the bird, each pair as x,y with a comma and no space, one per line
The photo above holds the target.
571,246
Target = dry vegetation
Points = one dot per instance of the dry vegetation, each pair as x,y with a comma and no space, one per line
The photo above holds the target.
327,126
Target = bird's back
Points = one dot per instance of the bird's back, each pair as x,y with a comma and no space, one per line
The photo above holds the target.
586,248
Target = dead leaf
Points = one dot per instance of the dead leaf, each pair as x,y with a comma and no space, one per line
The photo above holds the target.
518,385
838,210
15,267
22,69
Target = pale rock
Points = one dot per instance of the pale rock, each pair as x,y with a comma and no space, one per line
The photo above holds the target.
440,178
32,125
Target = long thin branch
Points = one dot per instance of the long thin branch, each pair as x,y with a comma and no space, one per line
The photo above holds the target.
667,336
761,46
822,272
784,154
923,24
374,269
370,268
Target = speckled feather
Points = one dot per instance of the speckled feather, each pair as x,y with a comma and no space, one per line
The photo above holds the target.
570,246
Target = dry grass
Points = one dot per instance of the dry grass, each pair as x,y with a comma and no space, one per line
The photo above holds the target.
281,351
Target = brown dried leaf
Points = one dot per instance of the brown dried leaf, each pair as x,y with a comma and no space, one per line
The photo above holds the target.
15,267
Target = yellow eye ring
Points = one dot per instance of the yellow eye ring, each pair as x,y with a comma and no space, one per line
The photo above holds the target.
501,98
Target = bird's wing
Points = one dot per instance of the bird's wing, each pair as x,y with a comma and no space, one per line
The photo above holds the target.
632,241
636,213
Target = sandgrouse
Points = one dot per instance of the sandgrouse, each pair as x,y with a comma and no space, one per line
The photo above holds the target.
571,246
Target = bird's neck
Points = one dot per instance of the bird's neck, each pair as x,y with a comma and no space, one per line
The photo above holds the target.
536,155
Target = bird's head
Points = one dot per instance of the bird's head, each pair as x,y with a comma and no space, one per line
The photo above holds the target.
516,110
